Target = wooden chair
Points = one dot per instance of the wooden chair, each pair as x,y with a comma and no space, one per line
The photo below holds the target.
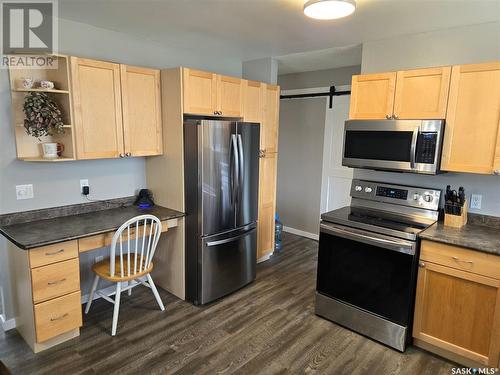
130,261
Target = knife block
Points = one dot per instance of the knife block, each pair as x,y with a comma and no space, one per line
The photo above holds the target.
457,221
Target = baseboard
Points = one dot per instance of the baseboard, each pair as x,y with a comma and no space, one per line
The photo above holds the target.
302,233
7,324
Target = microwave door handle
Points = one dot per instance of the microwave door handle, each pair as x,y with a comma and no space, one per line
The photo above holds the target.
413,148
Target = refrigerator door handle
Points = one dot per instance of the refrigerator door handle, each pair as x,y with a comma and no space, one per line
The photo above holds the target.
242,165
236,170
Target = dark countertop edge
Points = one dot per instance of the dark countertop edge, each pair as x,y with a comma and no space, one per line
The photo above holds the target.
40,244
423,236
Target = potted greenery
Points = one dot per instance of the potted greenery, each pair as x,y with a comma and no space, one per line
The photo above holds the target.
42,117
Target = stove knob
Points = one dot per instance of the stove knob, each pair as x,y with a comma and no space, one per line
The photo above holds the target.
416,197
368,189
358,188
428,198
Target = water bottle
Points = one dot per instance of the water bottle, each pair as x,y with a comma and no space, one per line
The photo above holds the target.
278,228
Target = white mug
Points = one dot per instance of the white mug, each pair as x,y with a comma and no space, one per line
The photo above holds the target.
49,150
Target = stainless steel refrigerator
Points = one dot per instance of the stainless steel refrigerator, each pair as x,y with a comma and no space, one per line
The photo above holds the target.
221,183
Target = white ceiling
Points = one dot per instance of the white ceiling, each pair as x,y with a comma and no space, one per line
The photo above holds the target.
250,29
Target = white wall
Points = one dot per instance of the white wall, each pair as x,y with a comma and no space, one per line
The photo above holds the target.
58,184
264,70
462,45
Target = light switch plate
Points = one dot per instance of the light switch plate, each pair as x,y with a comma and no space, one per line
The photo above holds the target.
475,201
24,192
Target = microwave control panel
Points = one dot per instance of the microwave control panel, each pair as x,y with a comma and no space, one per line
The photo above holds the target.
426,147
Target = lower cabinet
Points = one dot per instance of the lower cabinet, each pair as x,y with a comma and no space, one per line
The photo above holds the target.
457,309
267,205
47,303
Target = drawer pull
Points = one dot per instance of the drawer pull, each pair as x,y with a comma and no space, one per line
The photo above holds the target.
56,282
59,317
55,252
462,261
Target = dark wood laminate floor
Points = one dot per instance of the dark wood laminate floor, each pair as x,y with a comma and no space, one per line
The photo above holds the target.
266,328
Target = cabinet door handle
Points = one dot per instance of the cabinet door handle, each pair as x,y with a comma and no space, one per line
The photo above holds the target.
388,117
497,172
56,282
122,155
462,261
421,264
395,117
59,317
55,252
128,154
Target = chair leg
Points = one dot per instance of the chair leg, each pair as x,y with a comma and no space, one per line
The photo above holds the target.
155,292
117,308
91,294
129,283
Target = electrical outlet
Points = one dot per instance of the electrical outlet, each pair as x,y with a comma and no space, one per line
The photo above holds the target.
83,183
98,259
24,192
475,201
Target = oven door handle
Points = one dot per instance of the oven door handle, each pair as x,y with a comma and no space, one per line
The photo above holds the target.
400,246
413,148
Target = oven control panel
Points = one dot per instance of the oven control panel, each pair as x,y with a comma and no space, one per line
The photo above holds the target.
398,194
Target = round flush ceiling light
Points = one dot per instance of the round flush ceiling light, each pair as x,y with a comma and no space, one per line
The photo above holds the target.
329,9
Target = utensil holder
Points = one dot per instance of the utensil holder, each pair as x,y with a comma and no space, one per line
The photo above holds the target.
457,221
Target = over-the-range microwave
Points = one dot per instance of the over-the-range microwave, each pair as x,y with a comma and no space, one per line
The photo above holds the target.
394,145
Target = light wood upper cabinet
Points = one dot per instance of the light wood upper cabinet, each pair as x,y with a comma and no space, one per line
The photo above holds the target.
252,101
208,93
229,96
270,123
422,93
372,96
267,204
141,101
97,108
200,92
458,310
472,135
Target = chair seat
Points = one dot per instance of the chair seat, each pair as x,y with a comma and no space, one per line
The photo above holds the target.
102,269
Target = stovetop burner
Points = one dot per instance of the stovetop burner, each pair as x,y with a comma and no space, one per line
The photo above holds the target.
394,210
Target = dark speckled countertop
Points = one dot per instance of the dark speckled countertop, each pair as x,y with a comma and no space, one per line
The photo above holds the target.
482,233
41,232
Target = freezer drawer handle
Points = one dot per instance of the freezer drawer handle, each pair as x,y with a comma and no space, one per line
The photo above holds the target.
227,240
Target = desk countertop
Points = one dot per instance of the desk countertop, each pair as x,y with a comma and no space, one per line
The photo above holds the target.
32,234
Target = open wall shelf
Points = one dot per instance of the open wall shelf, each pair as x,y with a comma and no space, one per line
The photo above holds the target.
29,148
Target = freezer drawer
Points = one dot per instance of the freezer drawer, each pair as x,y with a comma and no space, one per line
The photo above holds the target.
228,263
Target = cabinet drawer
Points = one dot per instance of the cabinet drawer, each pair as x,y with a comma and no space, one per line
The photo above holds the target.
55,280
460,258
42,256
58,316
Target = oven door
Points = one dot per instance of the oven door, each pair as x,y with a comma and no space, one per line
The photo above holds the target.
367,270
401,145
